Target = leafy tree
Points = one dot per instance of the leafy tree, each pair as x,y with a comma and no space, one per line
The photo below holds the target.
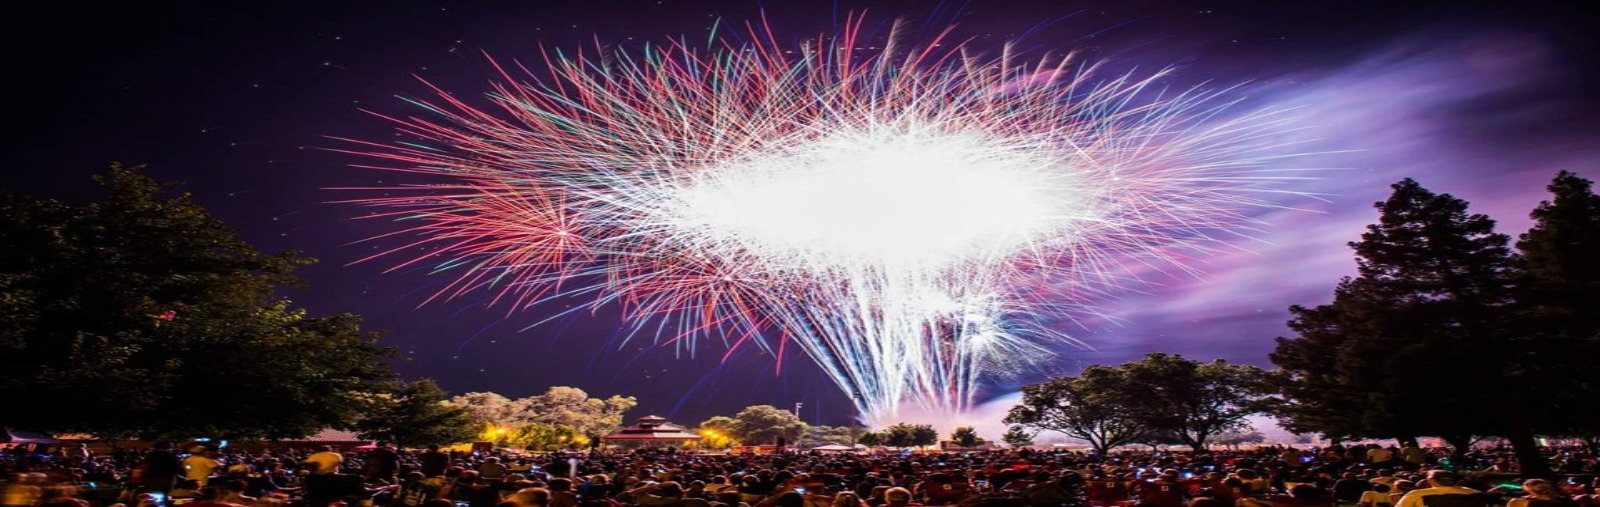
143,315
546,437
766,424
898,435
910,435
1193,400
559,406
414,415
966,436
1096,406
1560,304
493,409
1017,436
923,435
1416,343
872,439
571,406
719,432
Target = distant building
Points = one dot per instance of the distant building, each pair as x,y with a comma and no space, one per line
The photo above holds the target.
651,431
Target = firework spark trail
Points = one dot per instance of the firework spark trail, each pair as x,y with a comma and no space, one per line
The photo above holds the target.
903,216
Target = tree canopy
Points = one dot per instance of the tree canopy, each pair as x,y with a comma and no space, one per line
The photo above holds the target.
1095,406
908,435
966,436
1136,402
414,415
557,406
766,424
1444,323
145,306
1559,272
1017,436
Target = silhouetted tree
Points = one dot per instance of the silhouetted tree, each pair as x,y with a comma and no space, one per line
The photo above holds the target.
966,436
1017,436
1416,343
1191,400
1559,301
1096,406
910,435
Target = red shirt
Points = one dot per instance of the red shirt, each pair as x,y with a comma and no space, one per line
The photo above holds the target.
1161,494
1106,492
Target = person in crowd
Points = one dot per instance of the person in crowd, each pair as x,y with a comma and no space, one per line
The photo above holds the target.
20,491
1442,483
382,464
492,469
161,468
1350,487
1413,456
847,499
1300,495
561,493
324,461
897,497
1541,493
199,467
1401,487
531,497
1161,491
1378,496
233,492
1380,456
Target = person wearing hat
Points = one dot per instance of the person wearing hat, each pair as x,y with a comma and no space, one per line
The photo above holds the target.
1445,485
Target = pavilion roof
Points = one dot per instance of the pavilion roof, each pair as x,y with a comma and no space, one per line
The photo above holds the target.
652,428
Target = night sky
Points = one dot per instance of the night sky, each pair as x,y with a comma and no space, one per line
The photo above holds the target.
1483,100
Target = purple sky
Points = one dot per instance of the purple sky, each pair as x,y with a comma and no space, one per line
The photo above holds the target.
1484,100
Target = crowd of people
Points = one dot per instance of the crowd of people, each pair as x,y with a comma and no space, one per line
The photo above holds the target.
1334,476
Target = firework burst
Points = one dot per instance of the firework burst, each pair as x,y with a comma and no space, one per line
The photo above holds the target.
910,217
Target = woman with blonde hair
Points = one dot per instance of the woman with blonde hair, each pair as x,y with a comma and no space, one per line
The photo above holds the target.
1541,493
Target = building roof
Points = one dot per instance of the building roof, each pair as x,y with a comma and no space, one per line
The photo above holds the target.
652,428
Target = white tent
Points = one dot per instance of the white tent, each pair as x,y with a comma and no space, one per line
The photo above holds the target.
833,448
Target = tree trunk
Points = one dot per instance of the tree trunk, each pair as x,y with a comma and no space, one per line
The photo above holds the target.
1101,447
1529,458
1459,445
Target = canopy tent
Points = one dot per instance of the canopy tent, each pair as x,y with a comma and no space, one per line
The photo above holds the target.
13,436
651,429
